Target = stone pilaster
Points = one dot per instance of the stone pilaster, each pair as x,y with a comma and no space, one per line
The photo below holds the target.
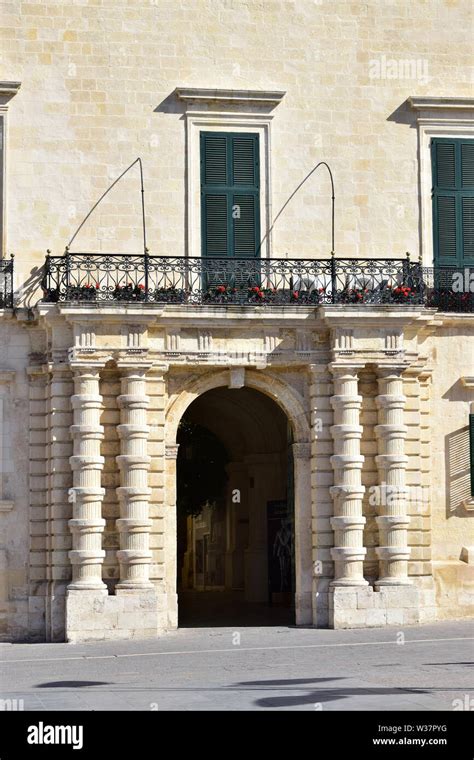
320,392
134,524
61,496
87,524
302,538
348,522
392,519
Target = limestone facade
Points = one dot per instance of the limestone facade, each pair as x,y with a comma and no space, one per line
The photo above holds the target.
91,394
364,421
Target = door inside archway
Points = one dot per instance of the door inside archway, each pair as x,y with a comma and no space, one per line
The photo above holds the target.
235,511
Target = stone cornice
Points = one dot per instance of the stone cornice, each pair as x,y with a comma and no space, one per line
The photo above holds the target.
9,88
374,315
235,97
440,104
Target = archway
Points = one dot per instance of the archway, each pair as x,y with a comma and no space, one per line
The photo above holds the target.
235,511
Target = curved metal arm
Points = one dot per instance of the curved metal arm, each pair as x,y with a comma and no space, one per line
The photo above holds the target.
333,198
142,190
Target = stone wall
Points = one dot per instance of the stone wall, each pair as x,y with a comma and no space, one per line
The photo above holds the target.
97,83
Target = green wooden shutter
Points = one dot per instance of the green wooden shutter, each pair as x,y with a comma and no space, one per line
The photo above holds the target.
453,201
230,188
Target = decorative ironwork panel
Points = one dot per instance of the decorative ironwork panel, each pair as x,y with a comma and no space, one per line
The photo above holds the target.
6,284
240,281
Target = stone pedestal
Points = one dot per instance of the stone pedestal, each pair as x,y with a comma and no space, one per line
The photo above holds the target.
369,608
94,616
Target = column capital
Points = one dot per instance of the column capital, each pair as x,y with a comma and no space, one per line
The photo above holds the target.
351,368
128,367
390,370
86,368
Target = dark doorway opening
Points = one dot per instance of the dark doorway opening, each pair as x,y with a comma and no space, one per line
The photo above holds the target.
235,512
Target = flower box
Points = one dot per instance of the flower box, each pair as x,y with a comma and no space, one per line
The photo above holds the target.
130,292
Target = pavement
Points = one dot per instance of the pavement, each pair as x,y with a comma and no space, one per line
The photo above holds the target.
425,667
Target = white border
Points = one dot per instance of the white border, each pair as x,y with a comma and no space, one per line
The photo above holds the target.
196,122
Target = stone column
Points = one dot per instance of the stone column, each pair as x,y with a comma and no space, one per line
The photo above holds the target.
87,524
347,492
393,552
134,524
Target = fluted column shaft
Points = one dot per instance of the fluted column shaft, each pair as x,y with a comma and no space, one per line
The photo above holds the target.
134,524
348,521
393,552
87,524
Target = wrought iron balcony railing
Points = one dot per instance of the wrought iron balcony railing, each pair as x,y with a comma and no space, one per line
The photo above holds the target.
6,283
271,282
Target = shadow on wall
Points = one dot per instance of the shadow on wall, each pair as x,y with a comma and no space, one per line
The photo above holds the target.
171,104
458,472
404,114
30,292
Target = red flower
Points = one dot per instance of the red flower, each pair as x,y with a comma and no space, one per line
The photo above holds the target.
296,294
260,294
256,290
141,287
321,290
359,296
221,288
97,286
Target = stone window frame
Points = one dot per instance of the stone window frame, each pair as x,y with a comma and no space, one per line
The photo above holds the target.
7,91
436,117
227,111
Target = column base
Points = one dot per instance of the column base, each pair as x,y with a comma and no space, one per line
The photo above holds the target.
134,586
393,582
94,616
100,588
348,583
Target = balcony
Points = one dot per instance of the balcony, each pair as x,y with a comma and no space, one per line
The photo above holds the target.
109,278
6,283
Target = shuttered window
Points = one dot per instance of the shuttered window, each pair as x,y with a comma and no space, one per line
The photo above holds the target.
230,188
453,201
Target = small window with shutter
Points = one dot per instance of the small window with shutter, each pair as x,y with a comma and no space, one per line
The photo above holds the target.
453,201
230,190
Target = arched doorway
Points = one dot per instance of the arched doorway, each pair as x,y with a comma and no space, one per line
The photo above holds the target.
235,511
